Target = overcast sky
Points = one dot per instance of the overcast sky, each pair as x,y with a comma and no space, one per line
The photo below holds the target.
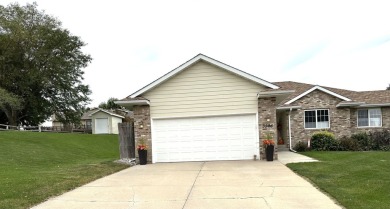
342,44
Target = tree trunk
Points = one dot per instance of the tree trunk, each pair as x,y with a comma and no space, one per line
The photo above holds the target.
11,116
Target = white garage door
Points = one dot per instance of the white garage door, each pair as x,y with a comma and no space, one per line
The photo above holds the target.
101,125
205,138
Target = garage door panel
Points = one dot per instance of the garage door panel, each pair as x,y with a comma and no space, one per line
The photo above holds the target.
101,125
208,138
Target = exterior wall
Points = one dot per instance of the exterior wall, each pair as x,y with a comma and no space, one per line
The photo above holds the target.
340,120
142,128
57,123
114,124
87,124
385,121
267,123
203,89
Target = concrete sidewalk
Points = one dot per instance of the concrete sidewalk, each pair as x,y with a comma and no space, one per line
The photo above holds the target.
194,185
286,157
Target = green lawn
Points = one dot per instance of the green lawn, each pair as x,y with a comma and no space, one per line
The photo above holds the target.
35,166
355,179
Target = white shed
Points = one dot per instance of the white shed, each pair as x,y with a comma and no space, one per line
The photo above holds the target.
105,122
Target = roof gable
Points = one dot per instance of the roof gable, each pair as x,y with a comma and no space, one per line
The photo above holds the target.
321,89
198,58
105,111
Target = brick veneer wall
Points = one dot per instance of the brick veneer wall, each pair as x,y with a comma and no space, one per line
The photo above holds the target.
267,123
340,120
142,127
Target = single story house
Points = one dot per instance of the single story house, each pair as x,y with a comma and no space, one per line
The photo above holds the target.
207,110
85,123
105,122
96,121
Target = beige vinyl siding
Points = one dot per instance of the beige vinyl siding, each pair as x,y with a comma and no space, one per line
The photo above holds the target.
203,89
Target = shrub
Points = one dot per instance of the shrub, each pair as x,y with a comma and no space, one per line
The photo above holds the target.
380,140
324,141
348,144
300,146
363,140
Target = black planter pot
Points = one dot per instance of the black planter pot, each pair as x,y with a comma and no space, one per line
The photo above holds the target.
269,152
143,156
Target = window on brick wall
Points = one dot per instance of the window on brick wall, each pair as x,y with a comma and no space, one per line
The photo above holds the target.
369,117
316,119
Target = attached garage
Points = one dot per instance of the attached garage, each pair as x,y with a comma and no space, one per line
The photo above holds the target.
204,110
231,137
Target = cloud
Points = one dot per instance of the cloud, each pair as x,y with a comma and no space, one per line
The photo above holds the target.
147,54
374,42
306,55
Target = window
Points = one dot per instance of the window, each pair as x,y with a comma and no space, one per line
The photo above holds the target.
316,118
369,117
88,124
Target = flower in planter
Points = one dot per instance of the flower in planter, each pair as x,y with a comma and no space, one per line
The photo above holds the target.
268,142
142,145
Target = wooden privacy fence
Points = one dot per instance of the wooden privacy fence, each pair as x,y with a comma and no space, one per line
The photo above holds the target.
126,140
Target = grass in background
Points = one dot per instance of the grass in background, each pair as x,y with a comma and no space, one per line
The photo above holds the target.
35,166
357,180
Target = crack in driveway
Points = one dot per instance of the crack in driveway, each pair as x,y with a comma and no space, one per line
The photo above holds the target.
192,187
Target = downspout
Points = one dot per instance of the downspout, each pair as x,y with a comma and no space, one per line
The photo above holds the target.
289,130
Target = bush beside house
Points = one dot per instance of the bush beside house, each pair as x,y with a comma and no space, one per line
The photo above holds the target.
361,141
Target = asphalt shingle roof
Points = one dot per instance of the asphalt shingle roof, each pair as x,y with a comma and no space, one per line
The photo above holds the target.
368,97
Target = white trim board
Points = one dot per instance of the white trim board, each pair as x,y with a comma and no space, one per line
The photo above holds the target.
209,60
321,89
105,111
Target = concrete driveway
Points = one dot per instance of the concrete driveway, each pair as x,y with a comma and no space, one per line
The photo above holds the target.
219,184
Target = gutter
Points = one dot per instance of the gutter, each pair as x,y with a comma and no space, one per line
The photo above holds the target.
362,104
265,94
350,104
288,107
375,105
133,102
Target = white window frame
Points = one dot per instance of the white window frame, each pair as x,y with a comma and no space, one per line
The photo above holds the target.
369,118
315,110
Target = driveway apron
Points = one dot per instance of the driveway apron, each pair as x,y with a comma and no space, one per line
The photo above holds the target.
194,185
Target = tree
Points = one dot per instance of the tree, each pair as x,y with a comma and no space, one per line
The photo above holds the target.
110,104
40,67
388,88
11,102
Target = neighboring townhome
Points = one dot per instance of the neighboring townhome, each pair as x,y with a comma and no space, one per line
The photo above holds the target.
207,110
311,108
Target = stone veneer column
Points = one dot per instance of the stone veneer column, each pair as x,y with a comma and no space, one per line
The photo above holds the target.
267,123
142,127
